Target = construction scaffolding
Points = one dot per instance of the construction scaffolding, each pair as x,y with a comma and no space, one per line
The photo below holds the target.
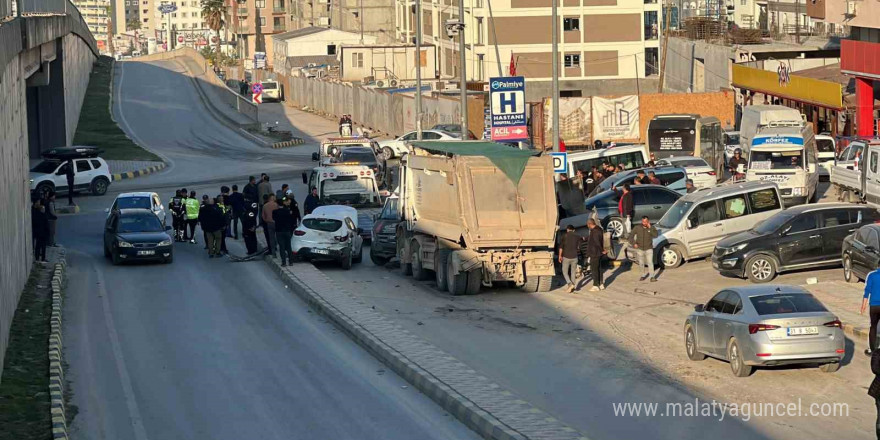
718,31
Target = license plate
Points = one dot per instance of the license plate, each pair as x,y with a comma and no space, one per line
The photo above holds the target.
146,252
800,331
321,251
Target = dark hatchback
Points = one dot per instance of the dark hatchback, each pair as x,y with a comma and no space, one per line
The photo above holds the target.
801,237
648,200
136,234
861,253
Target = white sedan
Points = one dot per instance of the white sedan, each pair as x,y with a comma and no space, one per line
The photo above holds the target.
397,147
142,200
697,169
329,233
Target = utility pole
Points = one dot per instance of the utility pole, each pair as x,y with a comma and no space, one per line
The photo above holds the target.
418,69
462,70
555,73
361,17
495,38
797,21
665,46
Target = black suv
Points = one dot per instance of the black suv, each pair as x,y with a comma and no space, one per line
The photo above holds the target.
861,253
801,237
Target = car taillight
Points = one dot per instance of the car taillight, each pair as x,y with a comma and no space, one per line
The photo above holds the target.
324,175
362,173
299,233
835,323
341,238
755,328
711,173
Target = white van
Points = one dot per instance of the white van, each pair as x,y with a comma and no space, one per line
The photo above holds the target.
826,149
692,226
272,91
787,156
756,118
631,156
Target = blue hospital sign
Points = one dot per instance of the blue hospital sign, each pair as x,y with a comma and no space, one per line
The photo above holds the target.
508,106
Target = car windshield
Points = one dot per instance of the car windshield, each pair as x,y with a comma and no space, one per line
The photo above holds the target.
46,166
139,223
731,139
133,202
773,223
677,212
270,85
776,160
390,210
322,224
786,303
825,145
358,157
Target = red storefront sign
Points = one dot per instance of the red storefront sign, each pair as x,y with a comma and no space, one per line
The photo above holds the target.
860,58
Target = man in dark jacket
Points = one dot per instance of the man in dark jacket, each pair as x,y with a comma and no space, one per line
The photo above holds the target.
51,216
249,193
39,230
568,256
212,220
249,228
595,251
285,223
641,239
311,202
236,202
70,173
626,209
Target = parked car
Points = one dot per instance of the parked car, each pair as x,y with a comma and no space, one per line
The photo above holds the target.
272,91
827,151
397,147
801,237
697,221
383,243
139,200
697,169
454,129
329,233
91,173
648,200
861,253
673,178
136,234
765,326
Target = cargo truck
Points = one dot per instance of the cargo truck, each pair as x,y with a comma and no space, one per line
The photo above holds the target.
858,180
476,213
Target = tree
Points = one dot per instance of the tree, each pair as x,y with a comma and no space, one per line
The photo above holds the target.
213,12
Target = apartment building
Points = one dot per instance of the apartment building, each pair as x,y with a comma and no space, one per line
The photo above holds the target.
859,54
253,24
605,46
97,14
372,17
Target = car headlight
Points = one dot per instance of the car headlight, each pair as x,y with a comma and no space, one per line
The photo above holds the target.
798,191
32,180
165,243
736,248
124,244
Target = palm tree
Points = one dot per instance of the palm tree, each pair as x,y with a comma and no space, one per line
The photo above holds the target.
213,12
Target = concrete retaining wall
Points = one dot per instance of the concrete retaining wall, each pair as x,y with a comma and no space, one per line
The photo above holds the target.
15,218
78,61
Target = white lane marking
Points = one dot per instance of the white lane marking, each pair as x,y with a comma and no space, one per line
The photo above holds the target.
124,121
134,413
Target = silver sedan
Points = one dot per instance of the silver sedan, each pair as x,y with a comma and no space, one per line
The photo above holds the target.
765,326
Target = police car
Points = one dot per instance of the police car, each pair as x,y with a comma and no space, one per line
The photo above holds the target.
91,173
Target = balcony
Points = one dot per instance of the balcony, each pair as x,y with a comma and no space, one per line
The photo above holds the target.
279,28
651,33
242,11
279,10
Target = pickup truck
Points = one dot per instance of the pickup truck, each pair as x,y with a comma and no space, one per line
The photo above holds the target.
856,173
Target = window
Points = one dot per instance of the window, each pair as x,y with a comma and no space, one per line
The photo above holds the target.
278,22
390,210
430,135
146,10
705,213
732,303
763,200
183,15
803,223
873,239
82,165
734,206
174,15
331,49
669,178
874,156
786,303
322,224
833,219
278,4
96,163
261,4
262,21
357,60
571,24
657,196
742,2
145,20
573,60
716,304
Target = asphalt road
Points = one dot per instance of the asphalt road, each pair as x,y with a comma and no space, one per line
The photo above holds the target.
206,348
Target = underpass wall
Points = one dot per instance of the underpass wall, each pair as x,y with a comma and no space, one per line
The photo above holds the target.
78,61
15,227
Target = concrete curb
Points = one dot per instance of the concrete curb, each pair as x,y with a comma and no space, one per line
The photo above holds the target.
138,173
56,367
485,422
856,332
291,143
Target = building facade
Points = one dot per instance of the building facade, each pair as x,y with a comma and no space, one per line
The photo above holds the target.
312,42
370,17
606,46
859,54
97,15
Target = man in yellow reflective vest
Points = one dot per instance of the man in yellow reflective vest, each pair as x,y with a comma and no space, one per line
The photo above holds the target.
192,215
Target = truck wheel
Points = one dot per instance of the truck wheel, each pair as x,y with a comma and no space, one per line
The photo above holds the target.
474,281
418,272
406,267
531,284
440,258
99,186
376,259
456,282
545,283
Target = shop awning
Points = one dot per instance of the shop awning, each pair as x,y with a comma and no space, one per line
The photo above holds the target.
828,94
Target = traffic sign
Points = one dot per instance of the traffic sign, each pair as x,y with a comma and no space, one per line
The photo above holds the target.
167,8
508,105
257,91
180,39
560,162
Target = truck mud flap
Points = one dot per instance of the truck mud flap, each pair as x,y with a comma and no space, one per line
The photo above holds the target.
465,260
539,263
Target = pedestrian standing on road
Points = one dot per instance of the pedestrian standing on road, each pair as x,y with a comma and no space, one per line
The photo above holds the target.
626,209
178,215
311,201
69,172
227,209
874,389
192,215
689,186
568,256
221,203
872,299
269,223
264,187
39,230
285,223
595,252
211,219
242,87
282,193
249,228
236,202
641,239
249,193
201,207
52,216
653,180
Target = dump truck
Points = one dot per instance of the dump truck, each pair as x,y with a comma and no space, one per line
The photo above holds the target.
476,213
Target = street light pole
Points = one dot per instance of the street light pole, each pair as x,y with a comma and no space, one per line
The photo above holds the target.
361,17
555,74
462,70
418,69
